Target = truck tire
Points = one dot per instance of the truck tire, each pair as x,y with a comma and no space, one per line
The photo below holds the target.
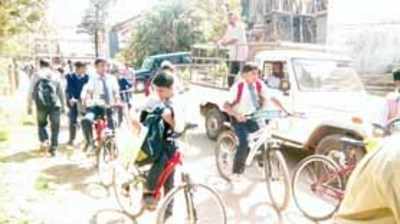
334,143
214,122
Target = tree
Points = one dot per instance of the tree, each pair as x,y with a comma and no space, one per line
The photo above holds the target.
175,25
94,19
18,16
172,26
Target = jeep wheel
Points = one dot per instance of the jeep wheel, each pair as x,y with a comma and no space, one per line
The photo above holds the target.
332,143
214,123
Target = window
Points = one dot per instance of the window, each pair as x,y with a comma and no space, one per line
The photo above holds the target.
273,80
326,75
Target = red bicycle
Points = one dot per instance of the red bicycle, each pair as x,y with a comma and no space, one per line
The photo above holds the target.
188,202
319,181
106,150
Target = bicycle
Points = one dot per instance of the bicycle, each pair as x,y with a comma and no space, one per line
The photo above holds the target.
325,176
129,182
264,153
106,150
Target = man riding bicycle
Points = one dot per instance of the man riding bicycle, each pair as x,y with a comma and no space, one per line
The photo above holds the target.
163,104
248,95
102,91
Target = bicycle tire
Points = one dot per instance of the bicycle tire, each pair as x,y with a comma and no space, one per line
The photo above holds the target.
277,156
174,193
326,161
228,136
136,183
107,150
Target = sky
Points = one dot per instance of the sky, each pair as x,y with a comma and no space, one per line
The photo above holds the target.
65,16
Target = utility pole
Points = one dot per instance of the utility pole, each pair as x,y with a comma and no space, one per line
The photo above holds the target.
100,7
96,29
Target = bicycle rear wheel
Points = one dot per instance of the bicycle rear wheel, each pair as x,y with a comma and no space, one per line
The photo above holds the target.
106,155
194,203
317,187
277,178
128,187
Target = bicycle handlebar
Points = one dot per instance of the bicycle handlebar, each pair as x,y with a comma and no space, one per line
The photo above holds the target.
272,114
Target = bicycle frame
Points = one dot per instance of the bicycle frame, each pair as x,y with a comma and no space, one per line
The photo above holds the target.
167,172
100,125
332,192
256,140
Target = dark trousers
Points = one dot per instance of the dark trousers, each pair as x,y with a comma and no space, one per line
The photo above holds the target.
43,117
73,121
242,130
92,114
234,70
156,169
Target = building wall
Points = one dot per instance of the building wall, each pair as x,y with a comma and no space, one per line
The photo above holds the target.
368,30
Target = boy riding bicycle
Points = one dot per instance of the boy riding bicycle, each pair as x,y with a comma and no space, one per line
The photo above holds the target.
168,115
102,91
248,95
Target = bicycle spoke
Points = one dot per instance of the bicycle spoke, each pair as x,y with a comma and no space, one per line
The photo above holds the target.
317,187
206,208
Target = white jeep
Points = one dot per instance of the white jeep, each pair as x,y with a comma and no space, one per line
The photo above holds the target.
321,85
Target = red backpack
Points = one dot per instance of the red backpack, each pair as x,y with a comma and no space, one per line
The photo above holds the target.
240,91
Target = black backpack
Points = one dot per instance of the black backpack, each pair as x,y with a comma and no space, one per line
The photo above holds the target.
45,94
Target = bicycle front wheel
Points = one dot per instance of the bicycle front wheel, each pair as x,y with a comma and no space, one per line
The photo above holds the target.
225,153
317,187
277,178
128,187
107,154
192,203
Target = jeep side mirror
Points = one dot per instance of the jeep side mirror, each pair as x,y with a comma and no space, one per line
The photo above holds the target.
285,86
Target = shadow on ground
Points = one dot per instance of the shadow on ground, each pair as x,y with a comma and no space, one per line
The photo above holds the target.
111,216
21,157
77,178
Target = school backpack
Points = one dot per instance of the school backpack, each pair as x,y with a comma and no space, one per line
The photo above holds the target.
240,91
45,94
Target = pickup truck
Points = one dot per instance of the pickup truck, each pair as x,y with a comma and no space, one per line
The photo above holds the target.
325,88
151,65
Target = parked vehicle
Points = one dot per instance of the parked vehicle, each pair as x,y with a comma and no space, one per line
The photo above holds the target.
151,65
324,87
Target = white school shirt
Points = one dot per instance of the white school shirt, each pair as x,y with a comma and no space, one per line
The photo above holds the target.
239,50
245,105
175,103
95,86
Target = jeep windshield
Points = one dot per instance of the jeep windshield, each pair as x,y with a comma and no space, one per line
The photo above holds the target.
148,64
326,75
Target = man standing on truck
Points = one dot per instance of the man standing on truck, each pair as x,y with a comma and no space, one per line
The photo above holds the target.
247,95
235,38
